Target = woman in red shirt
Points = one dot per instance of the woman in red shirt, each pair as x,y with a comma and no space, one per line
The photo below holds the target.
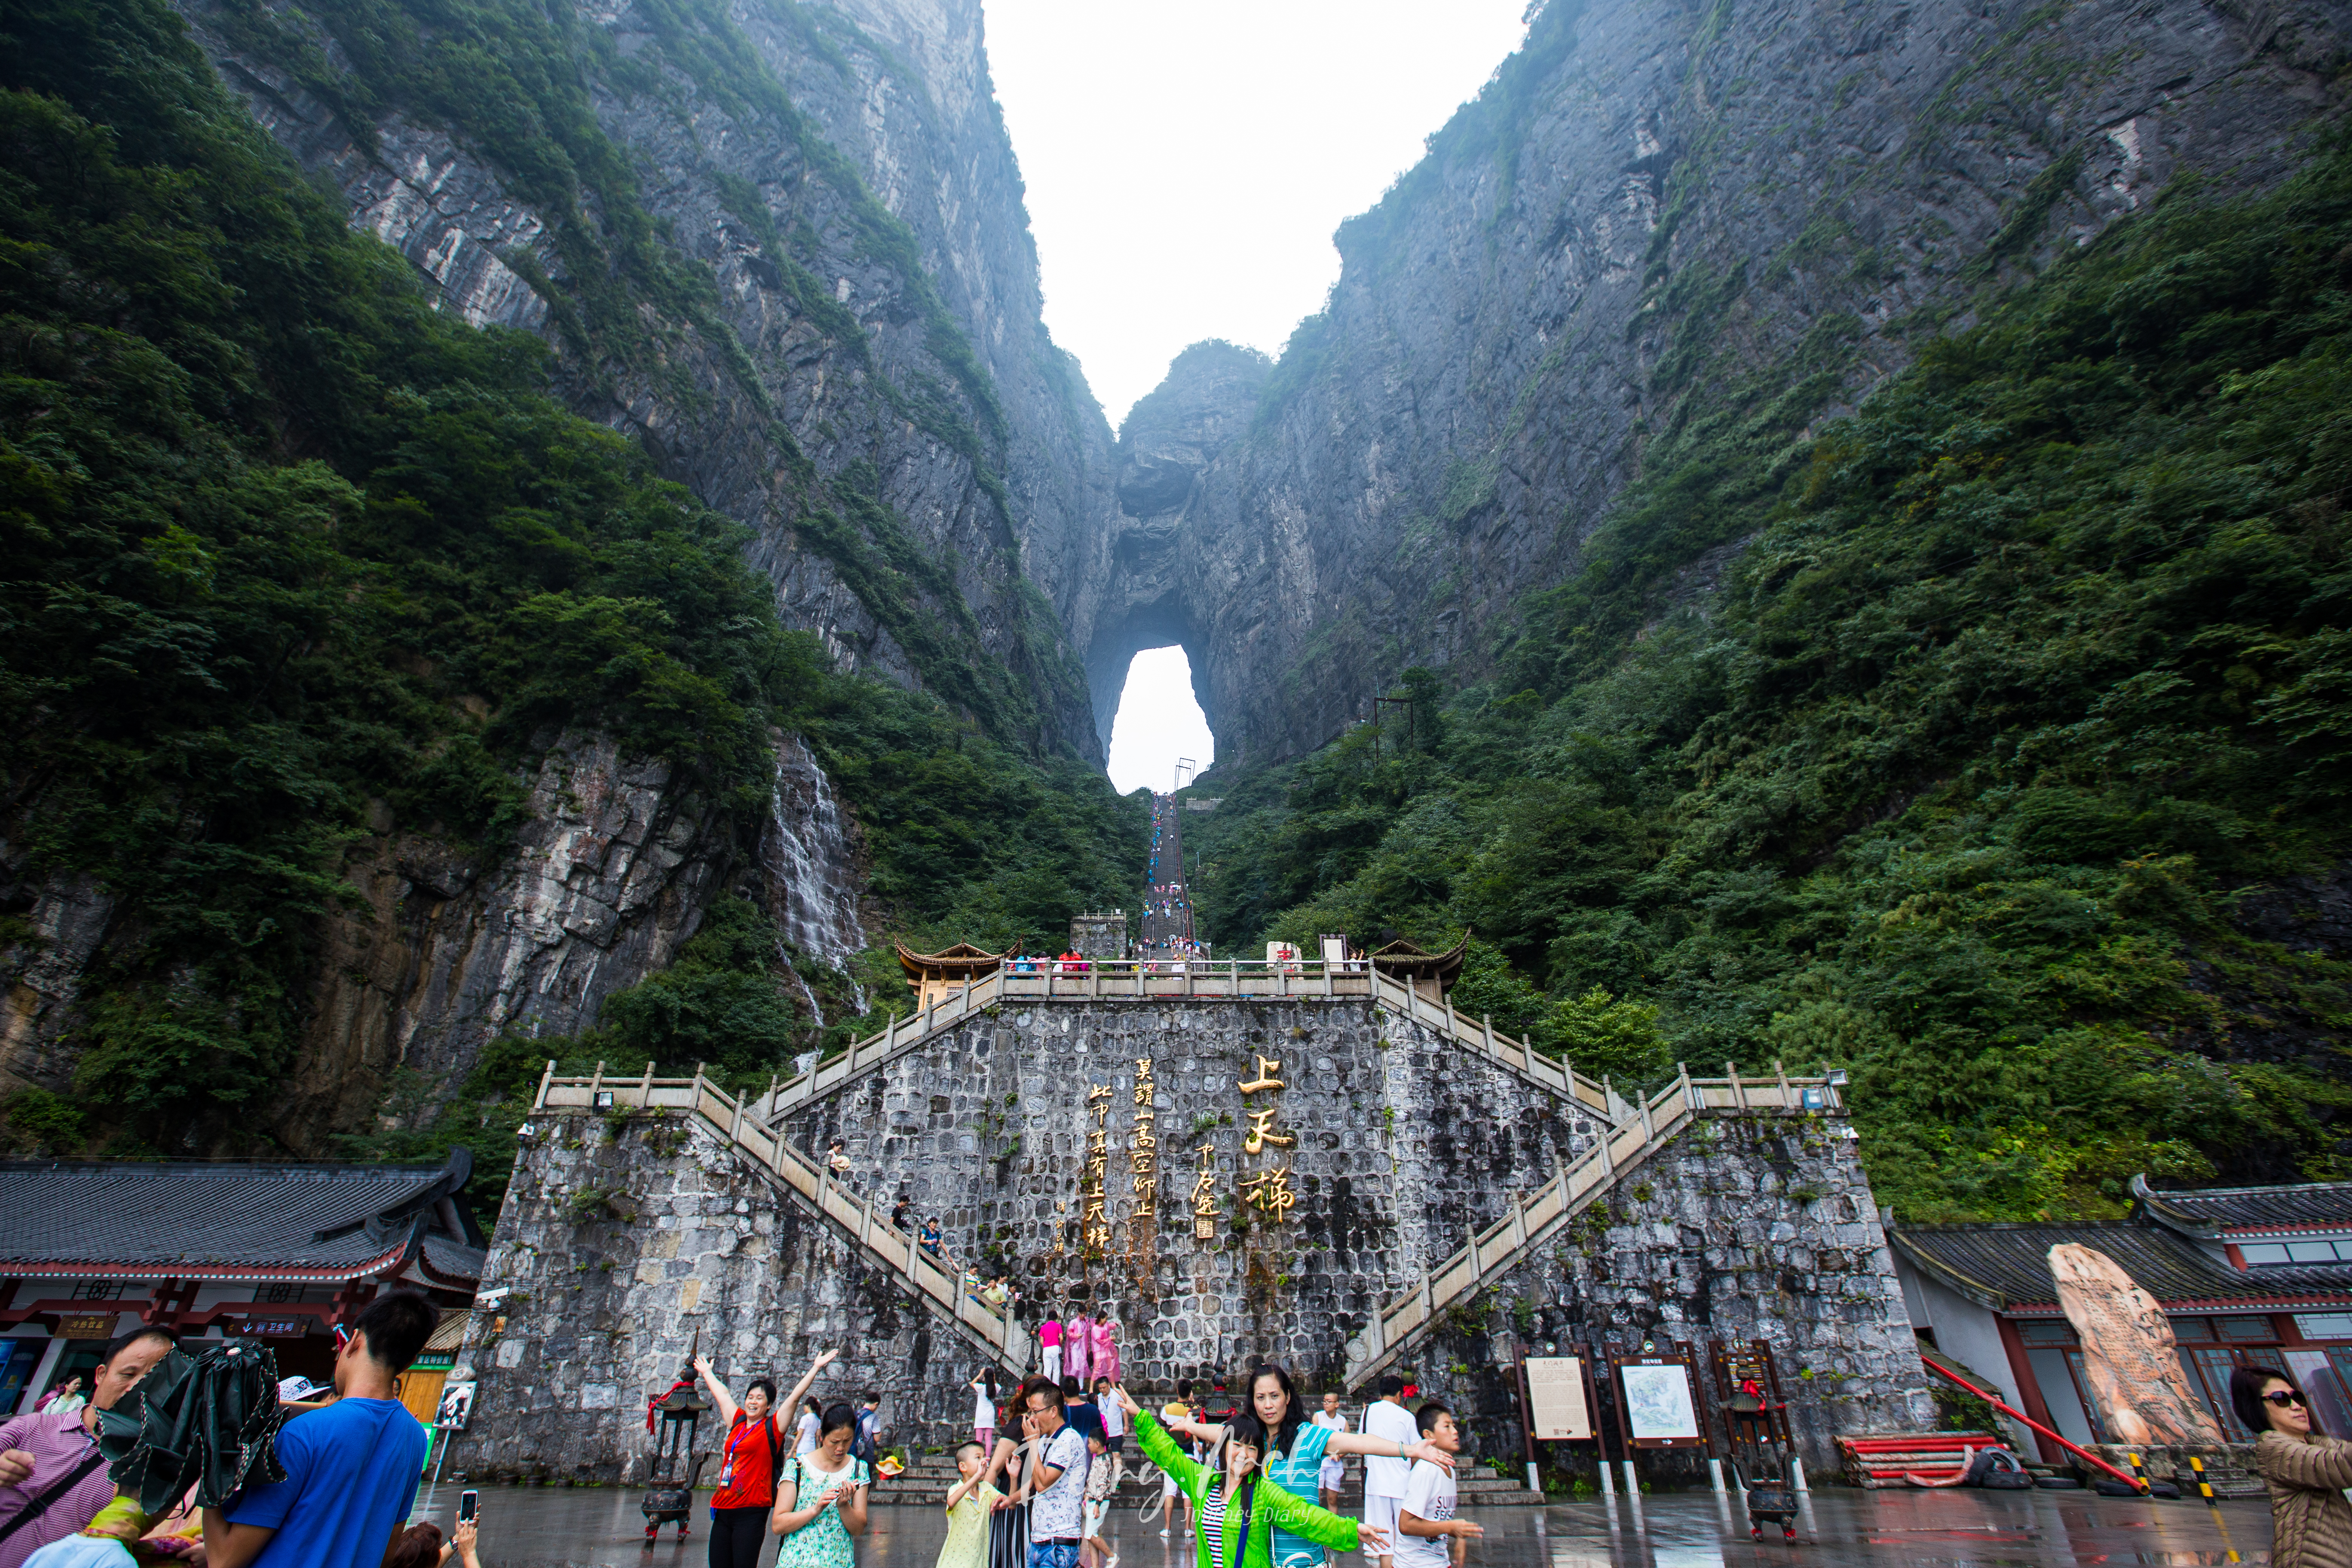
754,1452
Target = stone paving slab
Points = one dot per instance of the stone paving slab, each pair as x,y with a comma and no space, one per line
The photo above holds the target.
1841,1528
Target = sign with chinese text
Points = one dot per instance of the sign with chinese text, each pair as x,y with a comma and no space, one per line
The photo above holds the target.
1556,1399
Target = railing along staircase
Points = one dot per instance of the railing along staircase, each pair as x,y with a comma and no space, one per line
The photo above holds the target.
1110,980
936,1285
1534,1219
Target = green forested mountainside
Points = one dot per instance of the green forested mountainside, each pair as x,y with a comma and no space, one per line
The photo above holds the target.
277,540
2007,769
517,84
518,88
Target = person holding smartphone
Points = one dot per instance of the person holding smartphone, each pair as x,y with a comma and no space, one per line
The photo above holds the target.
821,1498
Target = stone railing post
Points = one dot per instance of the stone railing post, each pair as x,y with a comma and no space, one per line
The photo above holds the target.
540,1101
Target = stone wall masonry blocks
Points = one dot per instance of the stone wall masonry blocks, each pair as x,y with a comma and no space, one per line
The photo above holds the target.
627,1243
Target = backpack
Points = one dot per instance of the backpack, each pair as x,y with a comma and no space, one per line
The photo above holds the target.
862,1446
775,1453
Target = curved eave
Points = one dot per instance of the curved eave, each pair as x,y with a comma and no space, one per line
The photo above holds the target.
1420,965
257,1273
947,965
1951,1278
2179,1221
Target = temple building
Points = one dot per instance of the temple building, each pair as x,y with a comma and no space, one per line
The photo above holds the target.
2244,1275
281,1252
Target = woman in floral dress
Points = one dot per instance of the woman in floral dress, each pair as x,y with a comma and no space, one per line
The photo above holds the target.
821,1498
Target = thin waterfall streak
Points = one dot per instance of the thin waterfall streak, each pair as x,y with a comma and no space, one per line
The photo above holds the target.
811,880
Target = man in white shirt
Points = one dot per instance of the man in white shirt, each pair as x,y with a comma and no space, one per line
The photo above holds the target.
1384,1479
1057,1481
1429,1536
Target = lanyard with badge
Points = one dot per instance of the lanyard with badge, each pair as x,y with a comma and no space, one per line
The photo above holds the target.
727,1463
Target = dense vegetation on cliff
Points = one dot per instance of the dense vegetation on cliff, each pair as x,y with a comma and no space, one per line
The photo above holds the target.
277,542
2007,769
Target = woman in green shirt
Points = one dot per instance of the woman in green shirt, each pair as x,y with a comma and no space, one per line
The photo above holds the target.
1234,1507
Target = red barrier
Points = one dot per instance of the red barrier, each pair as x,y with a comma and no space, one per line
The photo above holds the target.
2074,1448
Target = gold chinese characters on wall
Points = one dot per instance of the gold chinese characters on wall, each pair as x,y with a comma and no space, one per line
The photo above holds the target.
1143,1160
1269,1190
1093,1226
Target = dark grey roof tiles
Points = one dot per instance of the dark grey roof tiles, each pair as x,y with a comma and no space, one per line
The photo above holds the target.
448,1261
2232,1209
2011,1262
122,1214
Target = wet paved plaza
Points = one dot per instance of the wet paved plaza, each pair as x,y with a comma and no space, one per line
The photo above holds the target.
541,1528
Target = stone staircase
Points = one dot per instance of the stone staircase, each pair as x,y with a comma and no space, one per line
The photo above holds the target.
933,1282
1106,980
1534,1218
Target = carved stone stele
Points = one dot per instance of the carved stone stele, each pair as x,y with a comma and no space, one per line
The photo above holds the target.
2129,1358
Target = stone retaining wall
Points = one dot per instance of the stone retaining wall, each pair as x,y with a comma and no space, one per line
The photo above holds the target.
627,1241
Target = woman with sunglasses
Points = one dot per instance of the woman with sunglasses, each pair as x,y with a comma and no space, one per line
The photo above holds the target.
2311,1522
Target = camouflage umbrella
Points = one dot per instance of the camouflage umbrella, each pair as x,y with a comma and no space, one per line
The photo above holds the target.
208,1421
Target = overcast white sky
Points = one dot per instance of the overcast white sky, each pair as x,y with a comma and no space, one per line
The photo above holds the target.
1186,162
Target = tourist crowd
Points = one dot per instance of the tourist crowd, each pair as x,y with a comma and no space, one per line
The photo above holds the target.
308,1482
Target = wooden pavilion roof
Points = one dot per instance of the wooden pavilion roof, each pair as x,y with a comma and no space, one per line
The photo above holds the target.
1409,961
961,961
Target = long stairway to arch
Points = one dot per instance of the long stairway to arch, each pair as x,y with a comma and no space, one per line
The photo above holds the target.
1168,931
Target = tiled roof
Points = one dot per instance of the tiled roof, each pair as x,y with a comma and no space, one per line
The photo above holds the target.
2007,1267
2310,1205
206,1219
450,1262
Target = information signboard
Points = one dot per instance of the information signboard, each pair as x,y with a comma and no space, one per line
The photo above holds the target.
1556,1401
1659,1404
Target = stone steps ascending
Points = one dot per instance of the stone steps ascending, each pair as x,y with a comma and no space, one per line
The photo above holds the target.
1537,1216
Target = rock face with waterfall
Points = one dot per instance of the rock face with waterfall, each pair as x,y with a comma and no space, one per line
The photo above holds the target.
808,868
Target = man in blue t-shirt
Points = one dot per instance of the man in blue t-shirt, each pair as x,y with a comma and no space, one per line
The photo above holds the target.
351,1468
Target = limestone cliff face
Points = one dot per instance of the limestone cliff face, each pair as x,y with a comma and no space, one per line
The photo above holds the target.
841,347
444,954
1649,203
1152,593
843,399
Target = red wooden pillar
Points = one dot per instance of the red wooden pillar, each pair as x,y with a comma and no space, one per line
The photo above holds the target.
2029,1391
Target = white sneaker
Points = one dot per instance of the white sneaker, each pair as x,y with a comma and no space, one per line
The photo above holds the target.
1164,1535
